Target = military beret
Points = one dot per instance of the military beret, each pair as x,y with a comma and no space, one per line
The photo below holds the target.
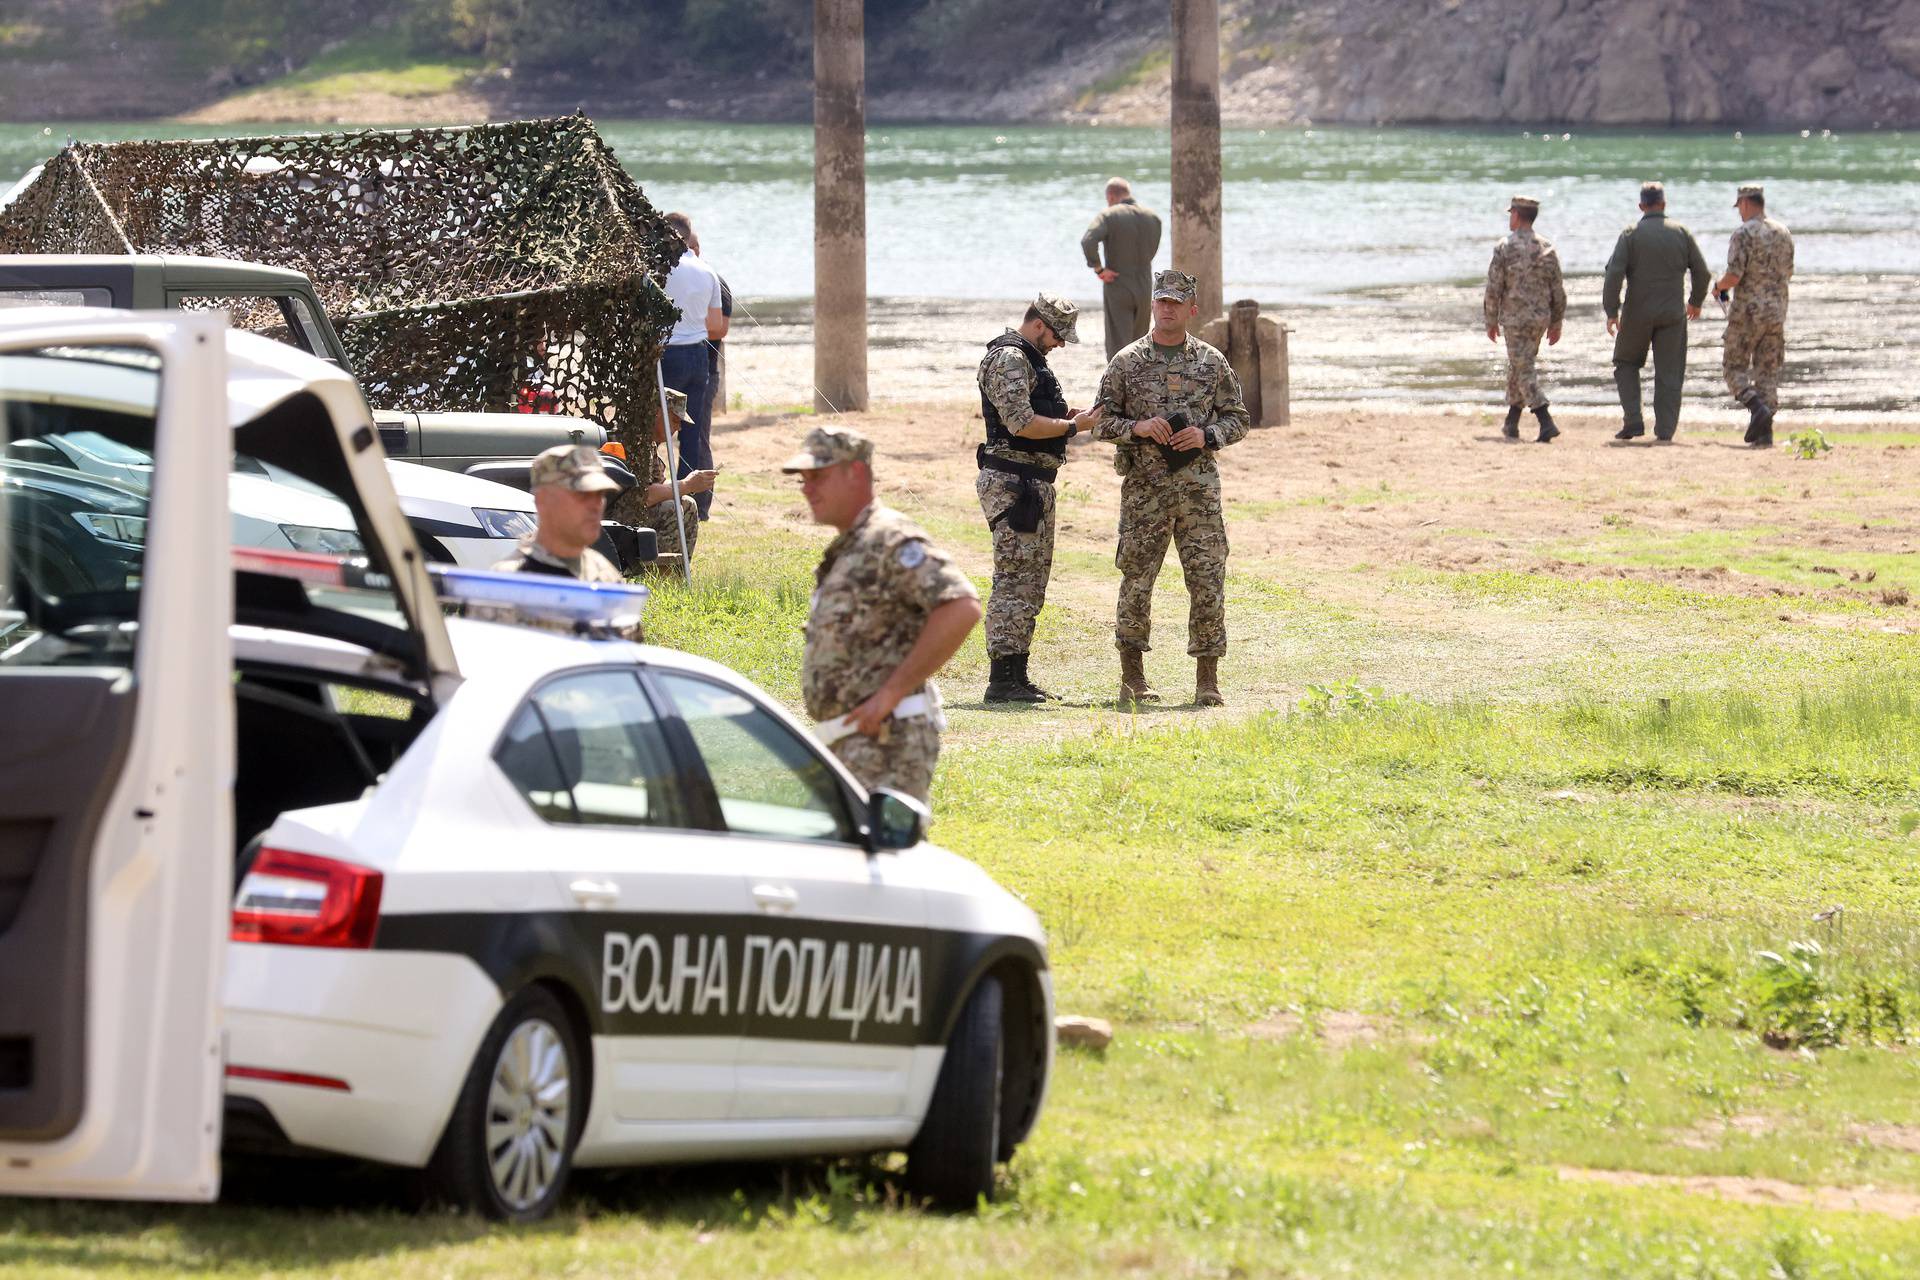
1753,191
1524,202
1177,285
1653,193
828,446
1060,316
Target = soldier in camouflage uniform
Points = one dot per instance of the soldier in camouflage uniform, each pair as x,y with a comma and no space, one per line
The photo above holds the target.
889,609
657,503
1526,298
1172,485
570,489
1759,265
1028,426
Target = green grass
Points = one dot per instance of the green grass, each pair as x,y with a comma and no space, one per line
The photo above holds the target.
1566,853
379,62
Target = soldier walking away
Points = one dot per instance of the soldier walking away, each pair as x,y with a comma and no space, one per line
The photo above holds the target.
1131,233
1526,299
1759,265
889,609
1171,402
1028,426
1654,258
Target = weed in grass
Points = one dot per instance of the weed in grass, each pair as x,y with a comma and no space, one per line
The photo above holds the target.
1809,444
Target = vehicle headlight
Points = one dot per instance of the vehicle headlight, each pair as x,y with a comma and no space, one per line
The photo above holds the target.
128,531
306,537
505,524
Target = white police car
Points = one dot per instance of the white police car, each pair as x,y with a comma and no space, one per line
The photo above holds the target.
508,901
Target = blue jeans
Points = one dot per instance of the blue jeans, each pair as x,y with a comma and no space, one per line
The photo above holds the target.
685,369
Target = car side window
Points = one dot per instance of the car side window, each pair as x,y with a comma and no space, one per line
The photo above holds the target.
588,749
768,781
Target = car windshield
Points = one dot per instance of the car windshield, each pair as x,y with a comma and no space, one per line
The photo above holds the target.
77,469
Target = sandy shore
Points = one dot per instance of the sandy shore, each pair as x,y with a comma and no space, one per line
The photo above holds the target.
1418,348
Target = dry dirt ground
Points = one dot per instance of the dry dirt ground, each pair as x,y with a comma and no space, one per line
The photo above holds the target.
1362,542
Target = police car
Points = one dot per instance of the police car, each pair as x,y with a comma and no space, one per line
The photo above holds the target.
293,858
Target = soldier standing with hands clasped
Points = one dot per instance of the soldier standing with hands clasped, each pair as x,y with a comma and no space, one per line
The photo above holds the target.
1653,258
1759,265
1526,298
889,608
1028,426
1171,402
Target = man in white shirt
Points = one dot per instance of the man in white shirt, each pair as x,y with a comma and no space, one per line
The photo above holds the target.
694,288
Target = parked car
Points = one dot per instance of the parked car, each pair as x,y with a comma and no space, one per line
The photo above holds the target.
509,900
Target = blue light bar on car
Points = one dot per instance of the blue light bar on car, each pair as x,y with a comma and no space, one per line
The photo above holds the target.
540,599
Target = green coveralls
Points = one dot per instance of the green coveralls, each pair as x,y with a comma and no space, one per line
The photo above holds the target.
1131,233
1652,258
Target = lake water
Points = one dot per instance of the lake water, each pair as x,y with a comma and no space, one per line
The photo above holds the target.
1370,243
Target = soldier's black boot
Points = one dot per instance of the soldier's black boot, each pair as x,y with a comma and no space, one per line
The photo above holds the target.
1031,691
1547,430
1759,420
1003,680
1512,430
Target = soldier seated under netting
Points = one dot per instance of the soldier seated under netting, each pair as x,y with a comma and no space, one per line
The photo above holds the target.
656,502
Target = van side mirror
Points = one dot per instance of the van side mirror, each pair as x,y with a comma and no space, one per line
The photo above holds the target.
894,821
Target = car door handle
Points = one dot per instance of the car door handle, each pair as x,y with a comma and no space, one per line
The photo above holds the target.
592,894
775,898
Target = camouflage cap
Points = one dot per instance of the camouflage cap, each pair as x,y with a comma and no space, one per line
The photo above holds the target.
1524,202
677,406
1059,316
1752,191
572,466
1653,193
828,446
1177,285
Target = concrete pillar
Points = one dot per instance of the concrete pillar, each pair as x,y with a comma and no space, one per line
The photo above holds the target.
839,206
1196,147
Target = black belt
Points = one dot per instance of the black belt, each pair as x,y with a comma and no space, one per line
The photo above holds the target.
1026,471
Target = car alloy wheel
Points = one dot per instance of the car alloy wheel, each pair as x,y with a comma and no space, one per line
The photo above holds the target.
508,1146
529,1109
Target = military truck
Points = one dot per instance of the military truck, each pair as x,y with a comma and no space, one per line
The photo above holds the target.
280,303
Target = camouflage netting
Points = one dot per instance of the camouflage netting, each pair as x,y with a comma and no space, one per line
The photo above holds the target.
498,267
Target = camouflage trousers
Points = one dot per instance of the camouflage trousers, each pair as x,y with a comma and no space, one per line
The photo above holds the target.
903,762
1022,563
1756,347
659,518
1523,364
1183,506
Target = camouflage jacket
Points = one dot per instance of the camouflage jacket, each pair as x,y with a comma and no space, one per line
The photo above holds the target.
590,567
1141,384
1007,380
1523,282
1761,254
876,584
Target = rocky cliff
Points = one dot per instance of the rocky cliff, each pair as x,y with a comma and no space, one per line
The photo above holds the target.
1752,63
1779,63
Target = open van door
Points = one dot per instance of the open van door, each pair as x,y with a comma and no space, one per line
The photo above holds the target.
116,757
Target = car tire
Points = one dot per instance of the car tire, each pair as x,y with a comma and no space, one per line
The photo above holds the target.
951,1161
508,1147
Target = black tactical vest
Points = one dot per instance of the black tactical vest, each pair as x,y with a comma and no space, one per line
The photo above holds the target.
1047,400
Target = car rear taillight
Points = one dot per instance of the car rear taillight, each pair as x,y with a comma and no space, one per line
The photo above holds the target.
300,900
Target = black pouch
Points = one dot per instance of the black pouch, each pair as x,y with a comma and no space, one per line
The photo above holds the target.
1023,516
1177,459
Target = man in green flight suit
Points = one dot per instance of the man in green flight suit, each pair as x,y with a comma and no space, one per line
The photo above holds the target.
1652,258
1131,233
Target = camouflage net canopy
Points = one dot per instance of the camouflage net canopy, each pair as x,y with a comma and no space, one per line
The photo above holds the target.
497,267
